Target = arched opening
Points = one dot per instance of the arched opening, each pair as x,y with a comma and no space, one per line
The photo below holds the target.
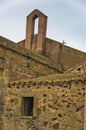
35,33
36,26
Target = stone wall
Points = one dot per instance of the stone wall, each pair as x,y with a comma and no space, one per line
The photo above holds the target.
32,65
80,68
58,103
61,54
1,103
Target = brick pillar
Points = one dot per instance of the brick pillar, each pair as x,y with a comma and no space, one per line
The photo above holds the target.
41,33
29,33
42,26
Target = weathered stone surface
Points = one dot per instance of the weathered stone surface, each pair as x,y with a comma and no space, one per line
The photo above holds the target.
56,108
58,98
62,55
56,126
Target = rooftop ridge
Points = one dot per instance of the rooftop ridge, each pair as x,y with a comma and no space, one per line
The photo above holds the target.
53,79
76,66
36,10
3,39
65,45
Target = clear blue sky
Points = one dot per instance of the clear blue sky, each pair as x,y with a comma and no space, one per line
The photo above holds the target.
66,20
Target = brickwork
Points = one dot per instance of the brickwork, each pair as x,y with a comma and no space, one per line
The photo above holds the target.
57,53
62,55
42,25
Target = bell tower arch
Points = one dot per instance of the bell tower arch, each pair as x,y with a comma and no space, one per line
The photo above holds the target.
34,42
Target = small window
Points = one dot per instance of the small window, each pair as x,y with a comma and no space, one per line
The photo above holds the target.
27,106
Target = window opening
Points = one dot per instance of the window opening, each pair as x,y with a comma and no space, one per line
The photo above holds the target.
36,26
27,106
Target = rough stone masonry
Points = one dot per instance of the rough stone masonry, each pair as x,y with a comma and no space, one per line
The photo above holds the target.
42,82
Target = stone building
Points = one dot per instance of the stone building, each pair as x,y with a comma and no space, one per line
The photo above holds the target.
42,82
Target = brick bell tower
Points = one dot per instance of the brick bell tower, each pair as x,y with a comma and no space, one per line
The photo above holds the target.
34,42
